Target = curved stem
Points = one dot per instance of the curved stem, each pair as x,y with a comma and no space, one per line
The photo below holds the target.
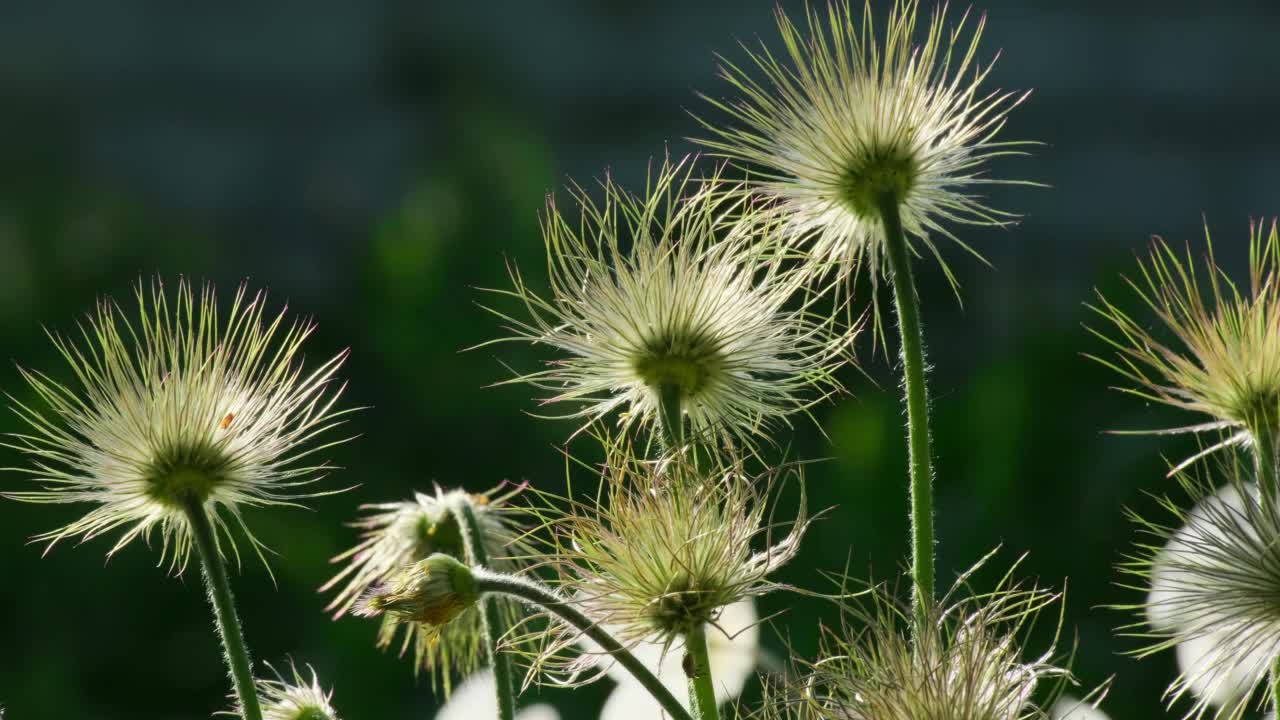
235,652
917,399
702,693
672,414
533,593
490,615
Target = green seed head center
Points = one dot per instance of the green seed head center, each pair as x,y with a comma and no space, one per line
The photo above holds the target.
878,173
187,473
690,369
311,713
1262,411
682,607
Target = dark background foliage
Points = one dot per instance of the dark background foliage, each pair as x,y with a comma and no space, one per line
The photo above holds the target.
372,163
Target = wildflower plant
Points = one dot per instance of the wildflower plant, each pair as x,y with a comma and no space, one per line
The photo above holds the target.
674,544
179,418
864,144
173,409
661,311
1210,578
966,664
436,591
398,535
1221,357
293,697
699,314
667,547
847,130
1209,574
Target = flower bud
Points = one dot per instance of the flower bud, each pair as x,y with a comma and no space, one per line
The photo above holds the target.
432,591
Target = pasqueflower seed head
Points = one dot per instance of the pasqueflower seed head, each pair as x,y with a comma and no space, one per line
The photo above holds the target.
177,406
657,293
1212,582
1218,352
966,663
845,120
292,698
666,548
399,534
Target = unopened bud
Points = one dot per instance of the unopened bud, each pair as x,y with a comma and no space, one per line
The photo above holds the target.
431,591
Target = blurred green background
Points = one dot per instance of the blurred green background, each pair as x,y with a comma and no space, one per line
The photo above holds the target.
372,163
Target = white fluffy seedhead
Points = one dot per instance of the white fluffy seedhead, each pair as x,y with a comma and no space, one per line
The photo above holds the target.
675,289
177,406
1211,576
847,118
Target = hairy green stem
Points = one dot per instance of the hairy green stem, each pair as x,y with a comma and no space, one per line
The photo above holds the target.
918,440
534,593
672,415
1275,686
224,610
490,615
697,665
1264,453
